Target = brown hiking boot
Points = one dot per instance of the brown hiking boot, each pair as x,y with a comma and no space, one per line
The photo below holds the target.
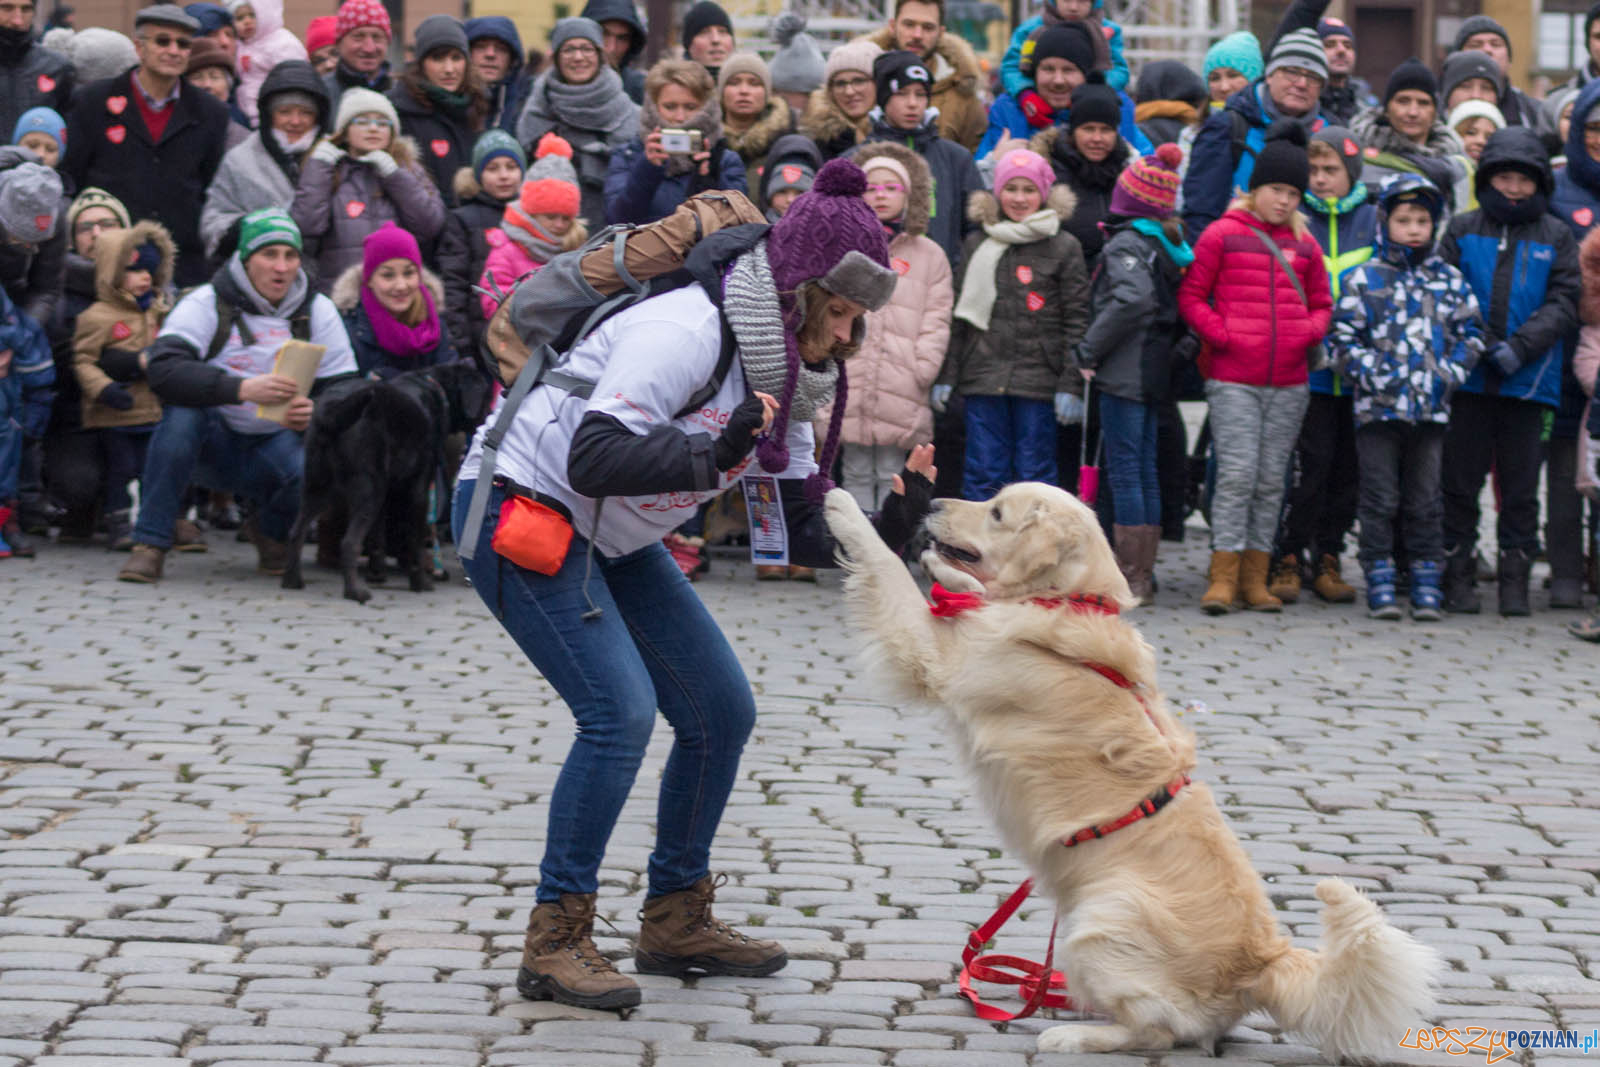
1329,585
1285,581
186,537
144,565
678,933
560,961
272,557
1253,581
1224,587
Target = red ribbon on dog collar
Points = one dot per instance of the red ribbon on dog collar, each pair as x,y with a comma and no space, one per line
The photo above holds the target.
947,605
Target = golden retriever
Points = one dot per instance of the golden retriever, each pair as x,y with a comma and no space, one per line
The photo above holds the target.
1165,926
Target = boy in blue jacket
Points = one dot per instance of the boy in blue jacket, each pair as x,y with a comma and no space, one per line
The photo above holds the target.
1407,332
1108,49
27,378
1322,501
1522,264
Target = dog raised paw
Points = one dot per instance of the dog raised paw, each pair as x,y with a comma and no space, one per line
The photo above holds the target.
848,524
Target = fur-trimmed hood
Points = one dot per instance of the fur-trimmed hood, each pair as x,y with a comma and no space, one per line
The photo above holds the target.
960,69
775,120
1589,261
1058,150
983,207
346,292
465,184
919,198
824,123
111,255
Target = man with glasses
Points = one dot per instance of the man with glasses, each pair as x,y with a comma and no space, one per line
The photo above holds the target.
1224,153
151,139
30,75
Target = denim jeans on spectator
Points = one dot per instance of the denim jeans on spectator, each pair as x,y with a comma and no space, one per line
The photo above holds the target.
1400,467
1130,432
1009,439
10,458
654,645
196,445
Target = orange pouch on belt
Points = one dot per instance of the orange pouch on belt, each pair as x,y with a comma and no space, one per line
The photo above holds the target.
532,535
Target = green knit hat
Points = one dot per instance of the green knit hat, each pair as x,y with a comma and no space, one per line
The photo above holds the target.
269,226
492,144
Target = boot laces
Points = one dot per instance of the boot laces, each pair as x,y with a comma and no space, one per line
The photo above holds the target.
575,934
700,916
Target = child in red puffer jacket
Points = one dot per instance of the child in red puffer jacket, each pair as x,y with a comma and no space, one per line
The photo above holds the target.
1257,294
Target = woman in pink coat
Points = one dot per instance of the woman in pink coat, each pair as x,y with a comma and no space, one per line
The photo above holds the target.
540,223
264,42
886,411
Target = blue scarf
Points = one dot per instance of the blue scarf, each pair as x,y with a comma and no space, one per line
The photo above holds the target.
1180,254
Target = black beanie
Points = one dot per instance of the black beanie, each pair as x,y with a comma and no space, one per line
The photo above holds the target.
1283,159
1071,41
1095,101
893,71
1477,24
701,16
1411,75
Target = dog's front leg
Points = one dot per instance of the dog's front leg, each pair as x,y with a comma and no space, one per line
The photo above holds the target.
883,597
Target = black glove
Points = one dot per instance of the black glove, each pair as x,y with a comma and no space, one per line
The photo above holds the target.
1187,348
120,364
739,436
115,396
903,513
1504,358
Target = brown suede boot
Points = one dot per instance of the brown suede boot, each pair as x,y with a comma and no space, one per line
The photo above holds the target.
1253,581
186,537
1128,544
1224,588
678,933
1285,581
1329,585
560,961
144,565
1149,548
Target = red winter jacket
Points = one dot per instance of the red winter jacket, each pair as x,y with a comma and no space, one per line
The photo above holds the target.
1242,304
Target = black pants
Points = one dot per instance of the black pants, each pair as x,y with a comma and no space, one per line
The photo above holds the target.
1502,433
1321,504
1563,509
125,450
1400,476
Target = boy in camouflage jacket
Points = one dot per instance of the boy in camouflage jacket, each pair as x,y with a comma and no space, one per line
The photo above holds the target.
1407,332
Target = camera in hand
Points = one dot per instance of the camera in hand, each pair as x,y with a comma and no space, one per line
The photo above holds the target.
680,142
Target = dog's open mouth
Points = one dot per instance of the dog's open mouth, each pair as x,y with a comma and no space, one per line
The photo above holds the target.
955,553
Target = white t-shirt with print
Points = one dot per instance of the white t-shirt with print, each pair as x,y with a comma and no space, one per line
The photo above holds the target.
646,363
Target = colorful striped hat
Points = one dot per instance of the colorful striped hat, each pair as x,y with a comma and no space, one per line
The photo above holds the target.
1148,188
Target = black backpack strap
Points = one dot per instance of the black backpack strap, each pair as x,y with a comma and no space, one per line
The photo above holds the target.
227,319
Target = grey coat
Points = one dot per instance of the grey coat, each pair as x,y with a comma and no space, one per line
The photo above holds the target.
248,180
1130,340
338,206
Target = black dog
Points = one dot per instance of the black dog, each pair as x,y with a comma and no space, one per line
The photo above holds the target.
371,453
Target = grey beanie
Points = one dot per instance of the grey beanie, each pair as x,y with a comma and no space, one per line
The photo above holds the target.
797,66
95,53
577,28
167,15
30,195
440,31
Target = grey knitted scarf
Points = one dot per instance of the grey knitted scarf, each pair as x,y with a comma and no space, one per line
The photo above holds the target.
750,299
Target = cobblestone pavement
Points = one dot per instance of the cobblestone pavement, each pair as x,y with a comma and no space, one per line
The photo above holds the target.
251,827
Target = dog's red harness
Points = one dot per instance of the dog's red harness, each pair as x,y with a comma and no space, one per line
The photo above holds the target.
1037,980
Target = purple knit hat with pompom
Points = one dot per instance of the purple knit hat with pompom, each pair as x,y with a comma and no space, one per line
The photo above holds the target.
829,236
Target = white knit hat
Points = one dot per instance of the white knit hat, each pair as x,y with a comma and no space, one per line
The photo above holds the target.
361,102
1475,109
858,55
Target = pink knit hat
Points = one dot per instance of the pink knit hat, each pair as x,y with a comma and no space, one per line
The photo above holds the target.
354,14
1021,163
385,243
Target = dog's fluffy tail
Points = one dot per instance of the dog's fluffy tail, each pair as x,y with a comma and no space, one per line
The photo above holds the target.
1359,992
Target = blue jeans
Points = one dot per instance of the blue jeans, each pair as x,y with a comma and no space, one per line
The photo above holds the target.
653,646
1009,439
195,445
10,458
1130,435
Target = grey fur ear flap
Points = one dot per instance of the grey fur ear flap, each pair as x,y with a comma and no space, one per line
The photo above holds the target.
856,277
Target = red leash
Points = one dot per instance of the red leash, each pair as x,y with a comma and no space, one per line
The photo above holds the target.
1035,979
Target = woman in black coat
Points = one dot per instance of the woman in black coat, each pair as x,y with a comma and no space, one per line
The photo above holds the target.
1087,154
440,100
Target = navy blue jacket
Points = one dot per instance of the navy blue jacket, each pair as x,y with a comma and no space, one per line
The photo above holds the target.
1576,202
1525,277
507,95
1224,155
638,191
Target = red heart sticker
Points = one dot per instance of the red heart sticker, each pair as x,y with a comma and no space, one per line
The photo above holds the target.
900,266
440,148
791,173
116,104
1583,216
42,222
354,208
244,64
1025,274
46,83
1035,302
115,134
1351,148
121,332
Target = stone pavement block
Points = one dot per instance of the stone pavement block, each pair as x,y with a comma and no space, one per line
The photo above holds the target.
801,1055
372,1057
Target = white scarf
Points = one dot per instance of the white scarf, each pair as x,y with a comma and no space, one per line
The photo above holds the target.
978,289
